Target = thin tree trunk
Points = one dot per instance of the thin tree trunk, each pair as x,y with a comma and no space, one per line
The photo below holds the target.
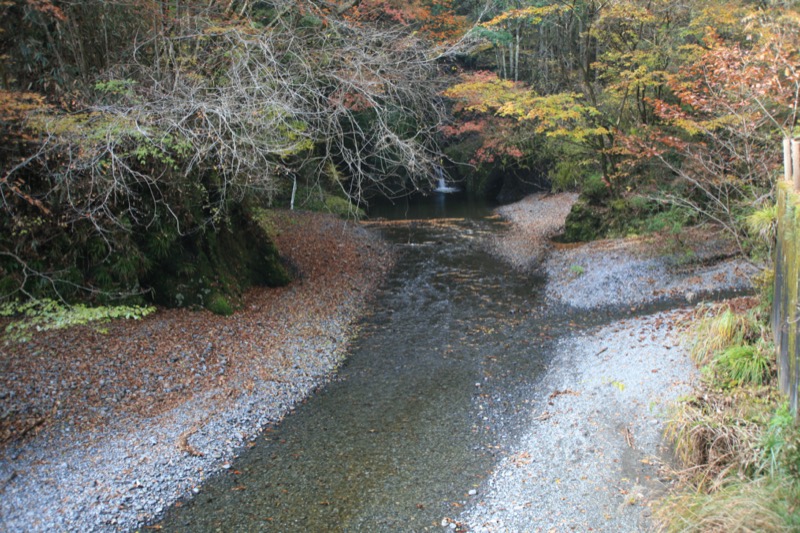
516,58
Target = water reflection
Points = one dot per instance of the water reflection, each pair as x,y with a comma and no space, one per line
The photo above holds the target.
455,204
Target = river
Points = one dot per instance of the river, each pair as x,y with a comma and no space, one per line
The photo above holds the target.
435,387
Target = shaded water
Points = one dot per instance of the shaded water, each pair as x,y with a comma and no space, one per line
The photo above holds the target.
437,378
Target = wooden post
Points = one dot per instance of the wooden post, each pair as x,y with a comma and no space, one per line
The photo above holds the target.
787,159
796,164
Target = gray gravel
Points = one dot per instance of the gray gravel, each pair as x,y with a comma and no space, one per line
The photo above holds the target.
128,474
639,271
590,461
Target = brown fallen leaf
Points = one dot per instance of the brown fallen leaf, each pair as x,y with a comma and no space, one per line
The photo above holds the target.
626,432
184,445
557,393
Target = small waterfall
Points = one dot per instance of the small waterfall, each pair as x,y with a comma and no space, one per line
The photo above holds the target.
442,182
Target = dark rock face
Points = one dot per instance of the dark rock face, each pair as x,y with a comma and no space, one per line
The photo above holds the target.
584,223
205,267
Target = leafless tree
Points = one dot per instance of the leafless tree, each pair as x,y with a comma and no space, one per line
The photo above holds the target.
219,111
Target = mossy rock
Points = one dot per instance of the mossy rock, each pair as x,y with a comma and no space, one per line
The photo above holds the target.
595,189
219,305
585,222
214,263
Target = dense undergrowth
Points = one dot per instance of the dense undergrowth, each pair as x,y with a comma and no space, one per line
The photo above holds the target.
737,441
135,146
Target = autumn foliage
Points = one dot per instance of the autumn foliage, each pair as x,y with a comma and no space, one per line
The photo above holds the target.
432,19
140,136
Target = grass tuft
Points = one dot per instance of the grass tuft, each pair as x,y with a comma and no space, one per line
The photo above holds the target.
737,439
761,505
717,328
219,305
742,365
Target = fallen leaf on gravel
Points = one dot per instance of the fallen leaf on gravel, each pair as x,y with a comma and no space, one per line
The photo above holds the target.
521,459
142,369
626,432
558,393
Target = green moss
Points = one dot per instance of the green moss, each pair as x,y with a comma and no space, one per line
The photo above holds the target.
342,207
315,197
585,222
219,305
227,260
595,189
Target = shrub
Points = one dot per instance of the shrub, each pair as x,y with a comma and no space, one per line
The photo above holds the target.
566,176
44,315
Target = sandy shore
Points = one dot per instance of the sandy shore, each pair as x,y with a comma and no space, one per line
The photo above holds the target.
127,421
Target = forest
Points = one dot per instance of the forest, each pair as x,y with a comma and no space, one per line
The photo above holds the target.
141,138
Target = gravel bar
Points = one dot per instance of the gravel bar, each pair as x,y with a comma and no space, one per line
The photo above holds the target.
108,455
590,461
643,270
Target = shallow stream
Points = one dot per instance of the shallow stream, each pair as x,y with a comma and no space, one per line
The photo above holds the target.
435,385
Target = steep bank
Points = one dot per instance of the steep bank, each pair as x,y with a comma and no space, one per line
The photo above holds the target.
125,421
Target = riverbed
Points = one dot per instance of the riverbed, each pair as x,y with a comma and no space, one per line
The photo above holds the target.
468,379
456,375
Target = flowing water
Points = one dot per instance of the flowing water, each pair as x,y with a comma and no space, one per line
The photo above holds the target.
437,379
